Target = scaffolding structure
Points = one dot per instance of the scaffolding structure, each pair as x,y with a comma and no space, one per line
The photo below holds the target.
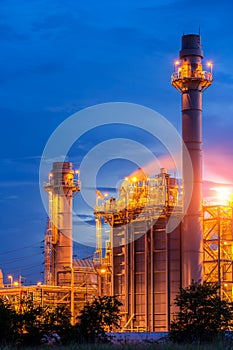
83,288
73,298
144,258
218,247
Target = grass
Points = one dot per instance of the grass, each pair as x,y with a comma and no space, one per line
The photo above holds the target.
217,346
149,347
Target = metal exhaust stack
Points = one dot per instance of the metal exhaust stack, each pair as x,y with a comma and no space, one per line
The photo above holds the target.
61,188
191,80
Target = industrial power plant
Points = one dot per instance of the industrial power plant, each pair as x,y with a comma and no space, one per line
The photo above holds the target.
161,235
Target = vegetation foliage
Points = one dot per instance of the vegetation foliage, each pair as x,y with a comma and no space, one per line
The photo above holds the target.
202,315
29,323
102,315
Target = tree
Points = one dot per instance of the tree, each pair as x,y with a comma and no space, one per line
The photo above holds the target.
8,323
28,324
37,322
30,319
58,320
202,314
102,315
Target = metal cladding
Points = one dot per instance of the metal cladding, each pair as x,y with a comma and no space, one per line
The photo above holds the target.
61,188
191,80
143,265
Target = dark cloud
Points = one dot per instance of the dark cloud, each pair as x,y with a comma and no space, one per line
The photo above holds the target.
9,34
136,38
225,78
56,22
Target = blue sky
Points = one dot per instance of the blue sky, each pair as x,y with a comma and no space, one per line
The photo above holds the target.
58,57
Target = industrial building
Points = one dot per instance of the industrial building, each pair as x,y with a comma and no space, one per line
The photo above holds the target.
161,236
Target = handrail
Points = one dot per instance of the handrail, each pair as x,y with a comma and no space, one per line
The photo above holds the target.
188,74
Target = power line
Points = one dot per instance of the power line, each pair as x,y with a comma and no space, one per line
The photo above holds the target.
14,260
21,248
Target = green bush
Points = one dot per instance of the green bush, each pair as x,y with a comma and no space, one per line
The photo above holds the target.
27,325
202,315
9,323
102,315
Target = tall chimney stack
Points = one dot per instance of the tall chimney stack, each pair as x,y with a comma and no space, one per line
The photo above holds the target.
191,80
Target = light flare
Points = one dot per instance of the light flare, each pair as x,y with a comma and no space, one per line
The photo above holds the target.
223,194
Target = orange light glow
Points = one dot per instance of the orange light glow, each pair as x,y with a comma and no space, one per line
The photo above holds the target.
177,63
10,278
16,284
76,171
138,175
39,283
223,195
210,65
103,270
99,195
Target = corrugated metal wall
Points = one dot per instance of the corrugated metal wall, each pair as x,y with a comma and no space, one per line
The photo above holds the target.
146,273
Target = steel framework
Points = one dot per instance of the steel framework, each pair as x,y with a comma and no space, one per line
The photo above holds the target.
144,258
43,295
83,288
218,248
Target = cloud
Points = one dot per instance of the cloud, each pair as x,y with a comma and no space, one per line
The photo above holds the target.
9,231
224,78
129,37
14,183
218,166
17,160
9,33
11,197
85,217
61,20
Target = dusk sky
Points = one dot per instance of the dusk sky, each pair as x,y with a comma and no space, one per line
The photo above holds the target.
58,57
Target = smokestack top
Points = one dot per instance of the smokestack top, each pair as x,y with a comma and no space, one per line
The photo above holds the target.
62,167
191,46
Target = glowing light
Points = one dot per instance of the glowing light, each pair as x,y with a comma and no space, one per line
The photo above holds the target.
210,65
99,195
223,195
39,283
177,63
50,174
16,284
103,270
105,195
126,179
10,278
134,179
76,171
